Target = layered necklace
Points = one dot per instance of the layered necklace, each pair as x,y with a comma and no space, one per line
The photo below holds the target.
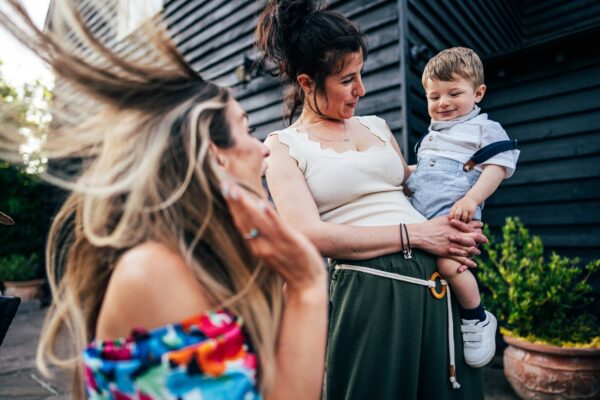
346,139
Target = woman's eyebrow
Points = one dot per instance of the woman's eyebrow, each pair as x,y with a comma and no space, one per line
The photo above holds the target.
354,73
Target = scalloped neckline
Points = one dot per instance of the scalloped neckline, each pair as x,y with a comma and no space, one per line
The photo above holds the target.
354,151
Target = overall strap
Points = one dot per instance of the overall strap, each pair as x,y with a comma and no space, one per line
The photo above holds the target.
419,143
488,152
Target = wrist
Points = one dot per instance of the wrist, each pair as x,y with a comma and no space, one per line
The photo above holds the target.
312,294
415,232
474,198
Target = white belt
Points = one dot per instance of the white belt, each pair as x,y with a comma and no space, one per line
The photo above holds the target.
431,285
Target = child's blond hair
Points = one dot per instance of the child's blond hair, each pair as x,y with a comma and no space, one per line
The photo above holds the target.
459,61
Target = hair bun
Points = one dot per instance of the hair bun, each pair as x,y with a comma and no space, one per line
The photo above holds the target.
279,28
291,14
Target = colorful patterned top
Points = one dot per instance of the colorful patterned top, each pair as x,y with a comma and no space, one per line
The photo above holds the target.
206,357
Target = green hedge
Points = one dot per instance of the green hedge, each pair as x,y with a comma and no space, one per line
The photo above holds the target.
22,198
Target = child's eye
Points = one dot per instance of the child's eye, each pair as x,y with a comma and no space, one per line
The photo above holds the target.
433,97
455,94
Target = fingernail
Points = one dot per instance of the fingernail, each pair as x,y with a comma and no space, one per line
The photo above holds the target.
262,206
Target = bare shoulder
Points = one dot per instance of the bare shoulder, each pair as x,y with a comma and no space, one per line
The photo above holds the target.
151,286
146,261
285,155
274,143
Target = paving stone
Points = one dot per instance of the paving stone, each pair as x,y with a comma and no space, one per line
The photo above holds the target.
19,378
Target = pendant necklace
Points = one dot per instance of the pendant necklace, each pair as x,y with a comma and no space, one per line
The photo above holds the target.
346,139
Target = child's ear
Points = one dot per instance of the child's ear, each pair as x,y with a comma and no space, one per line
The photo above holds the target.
479,92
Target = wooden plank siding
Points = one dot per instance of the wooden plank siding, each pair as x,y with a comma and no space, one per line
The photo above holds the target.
543,19
547,98
543,87
486,26
214,36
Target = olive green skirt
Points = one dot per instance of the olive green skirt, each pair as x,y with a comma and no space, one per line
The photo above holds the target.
388,339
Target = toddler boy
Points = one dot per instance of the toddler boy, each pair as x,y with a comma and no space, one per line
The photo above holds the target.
442,185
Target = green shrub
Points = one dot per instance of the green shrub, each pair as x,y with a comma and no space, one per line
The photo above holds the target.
19,268
533,297
22,197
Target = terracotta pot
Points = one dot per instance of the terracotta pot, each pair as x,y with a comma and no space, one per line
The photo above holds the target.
26,290
549,372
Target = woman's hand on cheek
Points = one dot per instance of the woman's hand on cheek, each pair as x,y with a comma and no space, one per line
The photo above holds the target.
282,249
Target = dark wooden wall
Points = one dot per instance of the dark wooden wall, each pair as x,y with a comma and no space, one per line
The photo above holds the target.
550,18
542,72
547,98
486,26
214,36
543,86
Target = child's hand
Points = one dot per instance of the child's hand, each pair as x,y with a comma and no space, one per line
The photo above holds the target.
464,209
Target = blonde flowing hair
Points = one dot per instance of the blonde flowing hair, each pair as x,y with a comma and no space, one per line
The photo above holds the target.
135,122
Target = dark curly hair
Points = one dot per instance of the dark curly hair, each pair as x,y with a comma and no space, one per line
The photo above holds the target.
302,38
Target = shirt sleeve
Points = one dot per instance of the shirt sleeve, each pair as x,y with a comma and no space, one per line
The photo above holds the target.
493,132
294,145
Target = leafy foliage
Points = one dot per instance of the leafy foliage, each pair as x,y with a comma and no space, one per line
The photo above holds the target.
22,193
27,108
536,298
22,198
19,268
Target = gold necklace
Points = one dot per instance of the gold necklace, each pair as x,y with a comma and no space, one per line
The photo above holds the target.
346,139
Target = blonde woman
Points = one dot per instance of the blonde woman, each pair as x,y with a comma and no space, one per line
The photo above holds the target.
166,262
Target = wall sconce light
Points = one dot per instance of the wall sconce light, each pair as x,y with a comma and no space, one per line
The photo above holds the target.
419,55
250,68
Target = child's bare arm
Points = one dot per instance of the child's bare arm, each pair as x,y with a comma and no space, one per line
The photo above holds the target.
488,182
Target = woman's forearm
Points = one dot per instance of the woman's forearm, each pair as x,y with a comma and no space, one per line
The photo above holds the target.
354,242
435,236
302,343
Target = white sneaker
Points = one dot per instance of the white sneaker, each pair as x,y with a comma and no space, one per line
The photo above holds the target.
479,339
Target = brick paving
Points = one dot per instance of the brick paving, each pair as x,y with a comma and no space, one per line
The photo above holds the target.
20,380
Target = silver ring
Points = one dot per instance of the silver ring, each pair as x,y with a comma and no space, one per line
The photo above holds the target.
252,234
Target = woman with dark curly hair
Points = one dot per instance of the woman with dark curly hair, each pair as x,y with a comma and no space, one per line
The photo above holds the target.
338,178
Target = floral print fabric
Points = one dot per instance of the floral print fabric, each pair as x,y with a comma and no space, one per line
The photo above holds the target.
206,357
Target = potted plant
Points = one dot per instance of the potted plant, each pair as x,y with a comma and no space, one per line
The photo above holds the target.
553,344
20,276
